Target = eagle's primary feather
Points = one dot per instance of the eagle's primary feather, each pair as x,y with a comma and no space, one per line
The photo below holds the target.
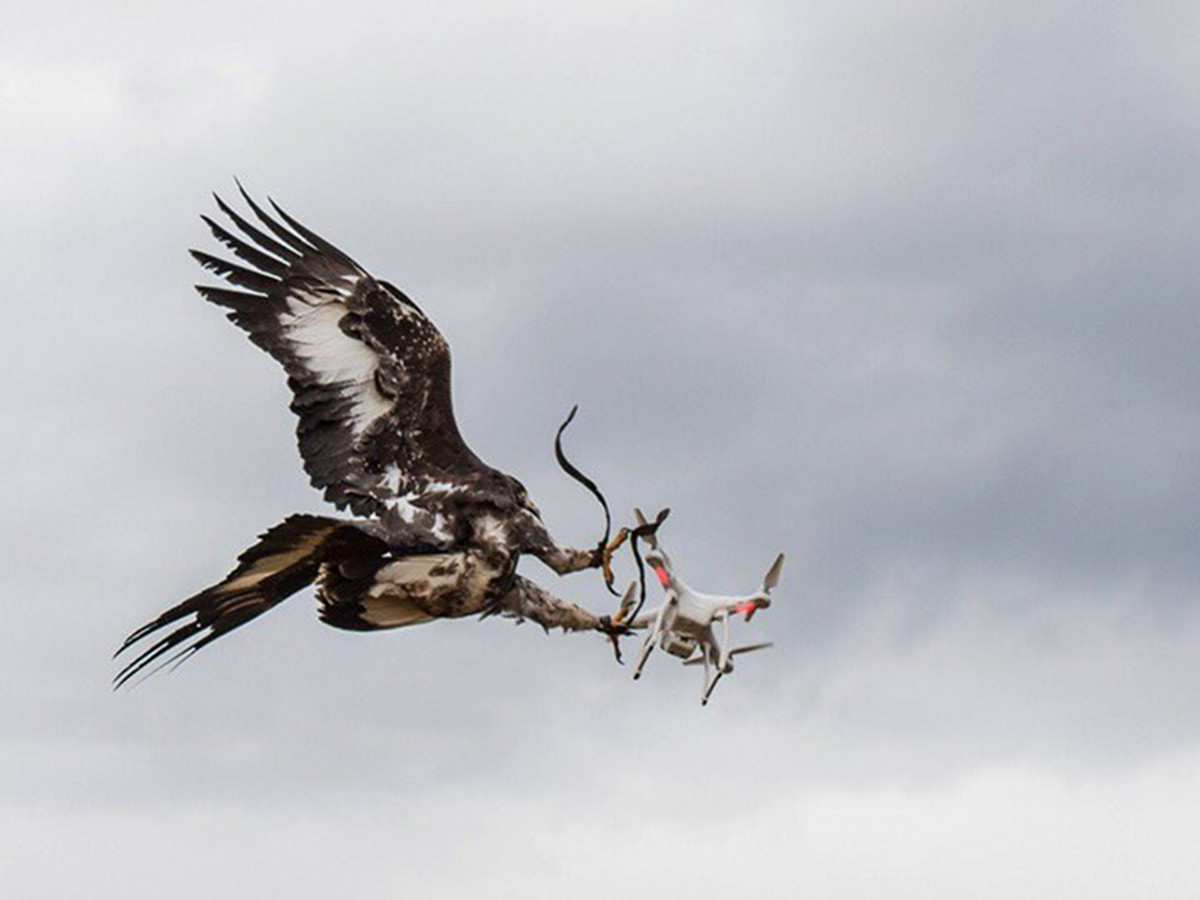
369,373
437,531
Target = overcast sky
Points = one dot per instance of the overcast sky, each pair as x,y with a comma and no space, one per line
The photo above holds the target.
908,291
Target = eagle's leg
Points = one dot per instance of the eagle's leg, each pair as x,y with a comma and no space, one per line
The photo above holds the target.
534,539
565,560
526,600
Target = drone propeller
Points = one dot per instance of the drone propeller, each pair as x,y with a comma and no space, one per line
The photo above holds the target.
646,533
763,599
628,601
771,579
750,648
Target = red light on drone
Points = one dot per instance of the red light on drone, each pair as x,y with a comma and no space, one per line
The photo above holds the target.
746,607
663,577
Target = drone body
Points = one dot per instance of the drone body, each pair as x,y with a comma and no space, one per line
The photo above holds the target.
687,620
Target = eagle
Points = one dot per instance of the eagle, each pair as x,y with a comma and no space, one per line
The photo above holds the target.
435,532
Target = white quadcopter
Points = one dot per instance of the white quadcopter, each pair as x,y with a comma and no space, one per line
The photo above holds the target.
687,619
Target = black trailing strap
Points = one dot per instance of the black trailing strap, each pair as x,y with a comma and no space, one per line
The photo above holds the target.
635,534
570,469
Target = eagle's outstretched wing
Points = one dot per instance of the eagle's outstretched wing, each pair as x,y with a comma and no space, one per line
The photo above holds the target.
369,372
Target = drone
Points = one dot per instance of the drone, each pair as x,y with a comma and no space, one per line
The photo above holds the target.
687,619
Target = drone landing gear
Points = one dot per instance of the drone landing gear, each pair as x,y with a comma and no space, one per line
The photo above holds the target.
709,686
651,640
710,679
642,657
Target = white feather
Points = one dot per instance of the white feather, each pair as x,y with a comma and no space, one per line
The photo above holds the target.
334,356
391,481
403,507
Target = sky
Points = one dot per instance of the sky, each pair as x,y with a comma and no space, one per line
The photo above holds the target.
906,291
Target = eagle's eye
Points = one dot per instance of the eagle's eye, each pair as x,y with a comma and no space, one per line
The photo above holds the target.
519,492
522,497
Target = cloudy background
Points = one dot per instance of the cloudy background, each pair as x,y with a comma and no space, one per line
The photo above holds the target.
907,290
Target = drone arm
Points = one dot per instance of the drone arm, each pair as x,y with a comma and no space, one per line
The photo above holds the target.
722,649
645,618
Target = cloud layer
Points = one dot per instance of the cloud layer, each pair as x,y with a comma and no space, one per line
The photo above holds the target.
907,293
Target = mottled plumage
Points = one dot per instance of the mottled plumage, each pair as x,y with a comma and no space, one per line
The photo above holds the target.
437,532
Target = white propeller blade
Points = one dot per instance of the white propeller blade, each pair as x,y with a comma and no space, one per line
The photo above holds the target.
652,540
698,659
627,603
750,648
772,577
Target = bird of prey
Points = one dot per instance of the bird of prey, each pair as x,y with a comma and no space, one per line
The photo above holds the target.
436,531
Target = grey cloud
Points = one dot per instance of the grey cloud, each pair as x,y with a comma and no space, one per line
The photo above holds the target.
906,292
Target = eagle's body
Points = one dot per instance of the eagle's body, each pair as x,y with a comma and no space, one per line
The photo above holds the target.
437,532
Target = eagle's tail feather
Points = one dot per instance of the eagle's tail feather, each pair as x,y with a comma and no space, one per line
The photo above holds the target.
286,558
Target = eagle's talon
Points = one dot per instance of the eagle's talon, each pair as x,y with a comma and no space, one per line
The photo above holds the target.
611,628
602,557
614,632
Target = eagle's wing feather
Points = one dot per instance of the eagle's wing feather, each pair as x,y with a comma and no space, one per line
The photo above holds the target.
369,372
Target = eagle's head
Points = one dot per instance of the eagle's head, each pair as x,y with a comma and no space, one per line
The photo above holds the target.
521,499
505,515
525,519
505,495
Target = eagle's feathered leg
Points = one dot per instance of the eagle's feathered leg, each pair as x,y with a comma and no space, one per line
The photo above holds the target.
528,534
527,600
565,560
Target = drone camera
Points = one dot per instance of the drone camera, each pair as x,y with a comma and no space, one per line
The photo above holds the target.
679,645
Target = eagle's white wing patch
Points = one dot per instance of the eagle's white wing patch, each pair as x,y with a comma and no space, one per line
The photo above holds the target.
370,374
312,324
